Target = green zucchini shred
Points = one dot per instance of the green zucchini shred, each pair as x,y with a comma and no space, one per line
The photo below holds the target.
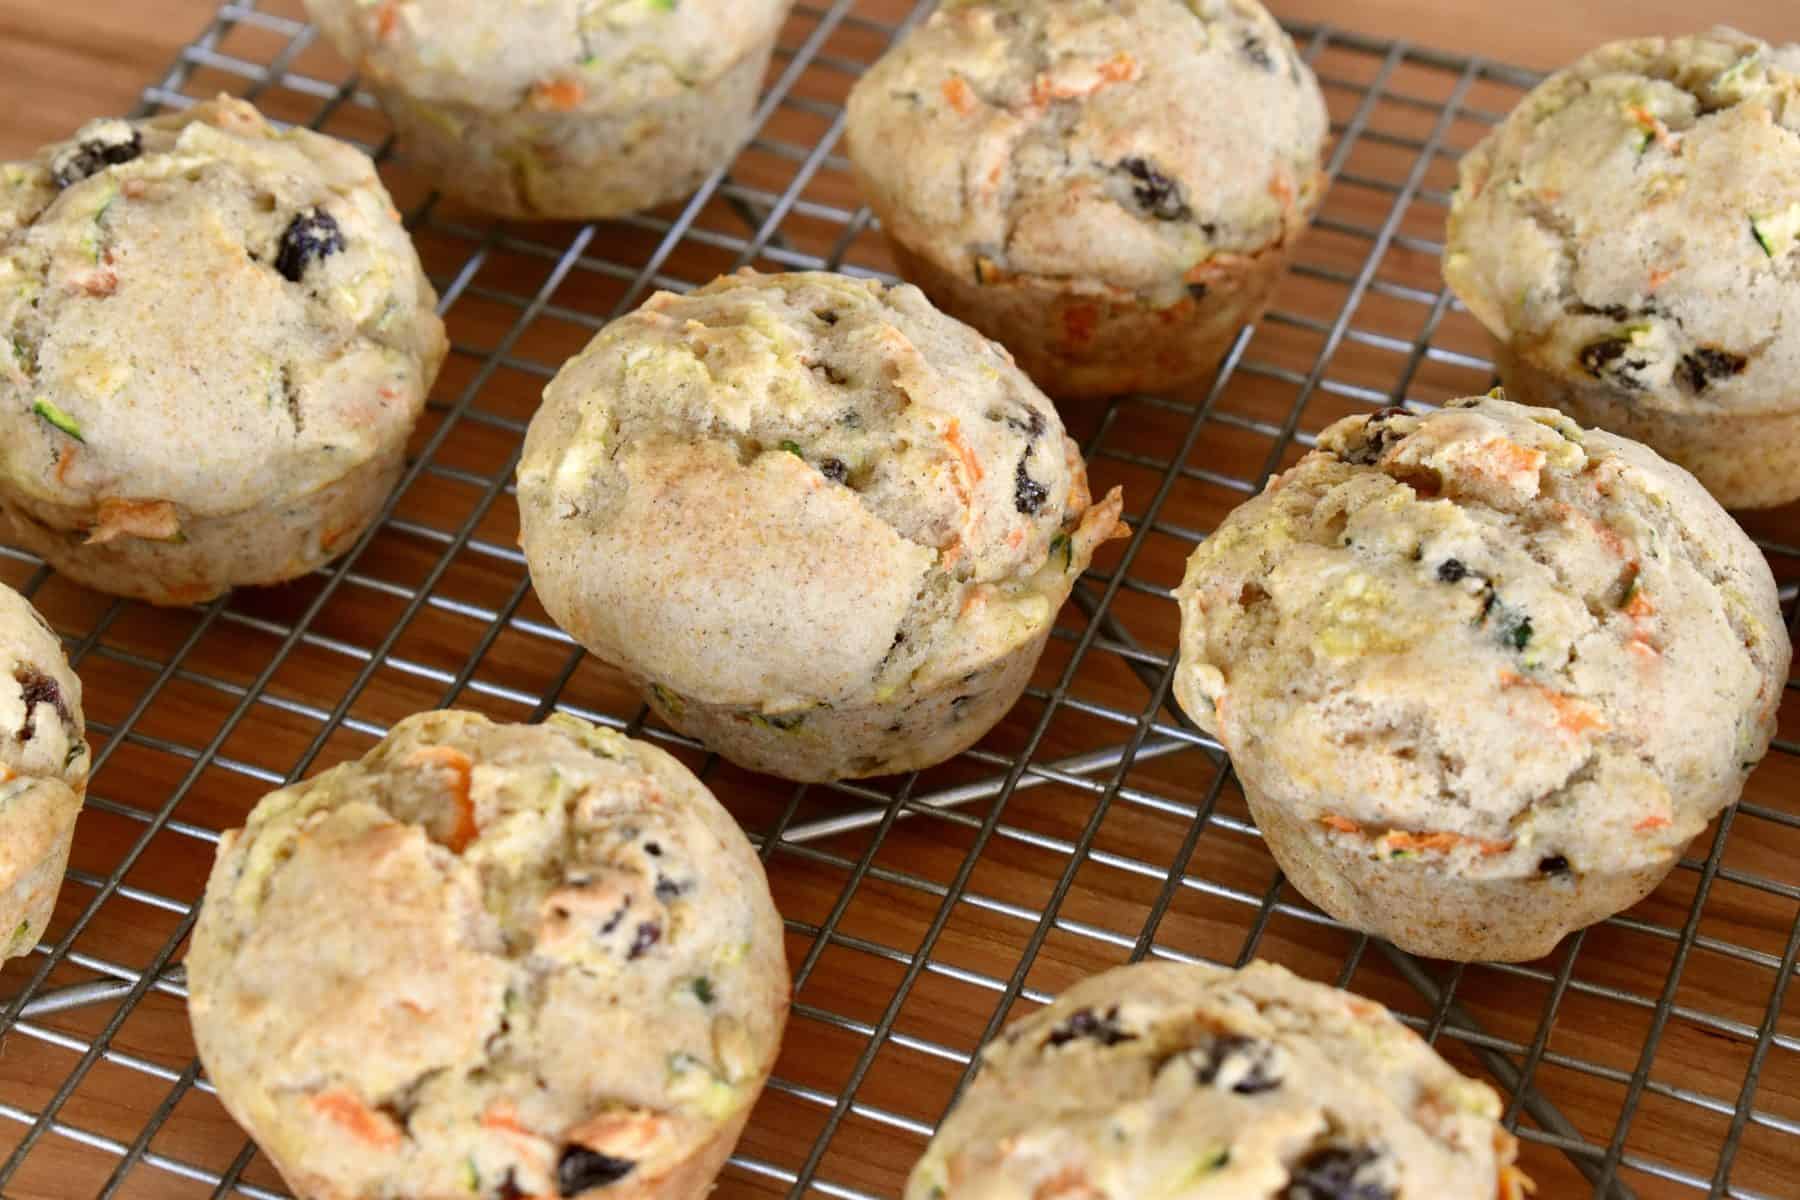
56,417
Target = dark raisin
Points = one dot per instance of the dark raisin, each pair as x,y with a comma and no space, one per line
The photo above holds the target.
834,469
1615,312
1377,437
309,236
648,934
1451,570
37,688
653,849
509,1187
1028,493
1334,1173
827,316
1256,1076
618,918
1706,364
1257,51
669,889
1197,291
94,156
1155,193
1608,359
580,1169
1553,864
1085,1025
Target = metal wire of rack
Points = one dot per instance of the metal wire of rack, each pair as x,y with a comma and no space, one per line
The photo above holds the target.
1656,1054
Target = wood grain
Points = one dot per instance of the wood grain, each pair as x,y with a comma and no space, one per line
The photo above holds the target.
62,63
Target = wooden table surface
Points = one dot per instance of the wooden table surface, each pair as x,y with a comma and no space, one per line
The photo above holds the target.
62,61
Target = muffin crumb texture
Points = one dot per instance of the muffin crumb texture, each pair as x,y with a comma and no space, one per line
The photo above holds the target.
826,528
490,961
1628,237
1484,673
1164,1079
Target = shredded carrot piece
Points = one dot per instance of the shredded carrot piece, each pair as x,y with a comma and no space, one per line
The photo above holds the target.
558,95
971,464
387,19
1660,276
363,1122
503,1117
1641,606
1120,68
1573,715
958,95
101,281
1340,823
1015,539
65,458
1401,839
6,773
1281,187
449,758
154,520
1654,821
1643,649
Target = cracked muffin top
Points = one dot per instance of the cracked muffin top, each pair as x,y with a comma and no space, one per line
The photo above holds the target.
201,311
546,55
488,960
1635,221
1127,141
787,490
1164,1079
1489,634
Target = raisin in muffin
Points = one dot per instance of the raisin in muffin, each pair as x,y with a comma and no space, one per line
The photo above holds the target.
562,108
1164,1079
1112,189
216,339
490,961
1628,236
826,528
43,770
1483,674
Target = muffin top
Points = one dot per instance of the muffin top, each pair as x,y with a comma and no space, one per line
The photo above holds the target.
1163,1079
201,314
1128,141
787,490
546,55
1635,220
41,731
1489,637
493,960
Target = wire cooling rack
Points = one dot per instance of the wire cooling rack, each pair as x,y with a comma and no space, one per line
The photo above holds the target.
1656,1054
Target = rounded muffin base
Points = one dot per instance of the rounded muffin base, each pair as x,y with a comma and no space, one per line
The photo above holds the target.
28,899
268,544
578,165
1436,914
1745,459
912,731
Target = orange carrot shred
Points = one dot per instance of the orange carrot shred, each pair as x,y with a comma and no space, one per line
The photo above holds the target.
1340,823
455,761
959,96
363,1123
558,95
387,19
1654,821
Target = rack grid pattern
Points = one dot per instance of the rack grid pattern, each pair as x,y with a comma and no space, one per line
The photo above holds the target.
1656,1054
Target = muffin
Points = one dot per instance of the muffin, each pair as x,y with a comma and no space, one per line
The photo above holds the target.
217,340
490,961
1163,1079
825,528
1628,237
562,108
1482,674
43,770
1111,188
